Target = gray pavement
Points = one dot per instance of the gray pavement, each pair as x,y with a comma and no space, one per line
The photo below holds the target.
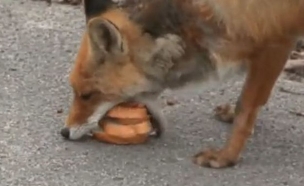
37,47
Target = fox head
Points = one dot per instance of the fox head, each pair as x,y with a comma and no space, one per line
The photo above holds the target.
108,68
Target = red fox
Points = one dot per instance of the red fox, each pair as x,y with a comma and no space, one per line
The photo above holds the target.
169,44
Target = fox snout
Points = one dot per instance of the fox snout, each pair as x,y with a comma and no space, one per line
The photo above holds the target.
83,120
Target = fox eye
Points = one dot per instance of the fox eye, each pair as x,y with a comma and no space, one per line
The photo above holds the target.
86,96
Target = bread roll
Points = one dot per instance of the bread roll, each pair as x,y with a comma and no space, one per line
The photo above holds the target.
125,124
128,112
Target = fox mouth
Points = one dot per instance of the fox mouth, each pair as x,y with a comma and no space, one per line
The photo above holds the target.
157,119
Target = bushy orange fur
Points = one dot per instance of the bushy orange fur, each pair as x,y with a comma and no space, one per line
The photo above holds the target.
260,20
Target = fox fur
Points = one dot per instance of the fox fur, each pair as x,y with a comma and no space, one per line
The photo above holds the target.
169,44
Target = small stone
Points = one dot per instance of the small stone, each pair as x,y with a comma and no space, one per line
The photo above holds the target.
12,69
59,111
171,102
117,178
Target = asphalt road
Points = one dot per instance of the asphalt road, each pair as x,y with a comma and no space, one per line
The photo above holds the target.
37,47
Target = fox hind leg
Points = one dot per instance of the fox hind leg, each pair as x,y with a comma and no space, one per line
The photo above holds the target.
264,70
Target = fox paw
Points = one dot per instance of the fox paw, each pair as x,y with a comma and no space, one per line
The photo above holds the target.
170,46
225,113
214,159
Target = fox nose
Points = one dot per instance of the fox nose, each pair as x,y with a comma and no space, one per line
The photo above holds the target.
65,132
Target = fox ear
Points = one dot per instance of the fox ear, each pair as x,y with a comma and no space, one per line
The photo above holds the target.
94,7
105,37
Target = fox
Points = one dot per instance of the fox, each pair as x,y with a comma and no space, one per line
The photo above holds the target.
173,44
